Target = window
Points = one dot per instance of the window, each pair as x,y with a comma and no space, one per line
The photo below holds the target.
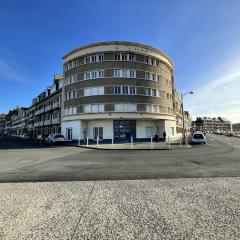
149,132
70,110
94,91
126,90
87,59
154,93
126,73
132,58
125,107
152,76
94,58
116,73
147,75
124,57
147,91
132,90
117,57
93,108
94,74
87,108
152,108
132,73
98,133
117,90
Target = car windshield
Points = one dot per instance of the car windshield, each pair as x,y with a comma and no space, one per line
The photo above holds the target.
198,136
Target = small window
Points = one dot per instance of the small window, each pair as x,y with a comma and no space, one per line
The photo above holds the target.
132,90
117,57
117,90
125,89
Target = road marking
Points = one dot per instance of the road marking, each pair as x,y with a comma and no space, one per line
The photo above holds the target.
226,139
236,146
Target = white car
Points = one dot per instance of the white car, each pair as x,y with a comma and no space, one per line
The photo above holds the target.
55,139
198,137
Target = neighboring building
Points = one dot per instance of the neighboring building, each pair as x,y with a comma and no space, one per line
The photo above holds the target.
236,127
19,123
2,124
179,117
45,113
206,124
118,89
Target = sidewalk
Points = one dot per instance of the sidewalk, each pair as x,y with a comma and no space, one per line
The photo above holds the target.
203,208
136,146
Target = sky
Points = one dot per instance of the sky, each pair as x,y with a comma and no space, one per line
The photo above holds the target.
202,37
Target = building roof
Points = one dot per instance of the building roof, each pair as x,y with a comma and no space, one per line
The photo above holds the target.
117,43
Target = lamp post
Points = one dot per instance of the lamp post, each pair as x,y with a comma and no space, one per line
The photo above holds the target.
183,128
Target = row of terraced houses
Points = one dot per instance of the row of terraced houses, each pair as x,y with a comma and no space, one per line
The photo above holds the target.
107,90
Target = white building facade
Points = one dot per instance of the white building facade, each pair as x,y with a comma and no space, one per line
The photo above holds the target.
118,90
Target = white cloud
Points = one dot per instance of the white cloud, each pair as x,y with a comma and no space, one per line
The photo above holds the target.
219,94
12,72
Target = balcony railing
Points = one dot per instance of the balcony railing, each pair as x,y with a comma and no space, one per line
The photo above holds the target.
47,122
38,124
56,121
48,108
56,105
39,111
31,125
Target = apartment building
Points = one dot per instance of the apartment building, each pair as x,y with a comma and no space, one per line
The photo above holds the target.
118,90
207,124
179,117
45,112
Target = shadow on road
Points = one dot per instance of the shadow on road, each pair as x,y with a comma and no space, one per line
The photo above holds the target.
19,143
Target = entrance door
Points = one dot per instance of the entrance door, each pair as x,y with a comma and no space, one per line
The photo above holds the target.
98,132
124,130
69,134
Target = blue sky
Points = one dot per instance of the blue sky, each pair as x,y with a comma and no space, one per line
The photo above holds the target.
202,37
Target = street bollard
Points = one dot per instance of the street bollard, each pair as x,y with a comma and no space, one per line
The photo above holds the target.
180,142
87,141
132,142
79,142
112,141
169,146
186,141
151,143
97,141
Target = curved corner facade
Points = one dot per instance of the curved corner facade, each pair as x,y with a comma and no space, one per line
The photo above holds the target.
117,90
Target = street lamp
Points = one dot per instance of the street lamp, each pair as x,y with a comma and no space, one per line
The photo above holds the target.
183,128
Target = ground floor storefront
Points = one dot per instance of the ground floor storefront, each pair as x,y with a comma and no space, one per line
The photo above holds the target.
118,130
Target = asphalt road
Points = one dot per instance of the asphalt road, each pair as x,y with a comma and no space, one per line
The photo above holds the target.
26,162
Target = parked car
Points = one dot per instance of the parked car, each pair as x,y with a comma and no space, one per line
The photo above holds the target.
39,139
198,137
54,139
25,136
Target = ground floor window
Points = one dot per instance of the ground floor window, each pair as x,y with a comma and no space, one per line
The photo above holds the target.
69,134
124,130
149,132
98,132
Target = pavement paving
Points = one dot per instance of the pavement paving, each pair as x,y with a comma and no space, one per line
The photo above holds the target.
203,208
